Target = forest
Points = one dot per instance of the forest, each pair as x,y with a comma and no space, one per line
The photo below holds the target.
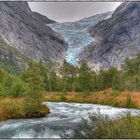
31,85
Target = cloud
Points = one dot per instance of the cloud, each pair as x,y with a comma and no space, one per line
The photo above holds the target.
71,11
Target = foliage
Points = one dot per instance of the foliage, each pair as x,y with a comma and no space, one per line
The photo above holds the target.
18,89
53,77
8,65
34,77
85,78
63,97
29,86
129,102
14,108
101,126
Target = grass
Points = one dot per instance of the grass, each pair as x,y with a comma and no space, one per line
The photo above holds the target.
105,97
13,108
101,126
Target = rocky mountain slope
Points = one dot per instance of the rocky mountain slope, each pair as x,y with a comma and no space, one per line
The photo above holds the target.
76,34
115,39
28,34
43,19
11,58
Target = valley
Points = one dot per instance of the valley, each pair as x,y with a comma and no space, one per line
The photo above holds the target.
77,36
77,79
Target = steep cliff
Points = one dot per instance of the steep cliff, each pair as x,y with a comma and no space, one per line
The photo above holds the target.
28,34
115,39
43,18
11,58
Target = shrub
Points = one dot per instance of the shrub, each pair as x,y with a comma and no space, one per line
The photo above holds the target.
1,90
101,126
115,93
129,101
63,97
13,110
18,89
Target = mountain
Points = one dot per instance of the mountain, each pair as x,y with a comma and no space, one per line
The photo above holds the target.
28,34
115,38
76,34
43,19
11,58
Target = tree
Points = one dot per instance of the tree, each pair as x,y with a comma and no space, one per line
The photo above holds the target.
85,78
108,78
1,90
72,80
2,75
52,78
18,88
56,82
35,80
132,66
7,83
65,74
131,73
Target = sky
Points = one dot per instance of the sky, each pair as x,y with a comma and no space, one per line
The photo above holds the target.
71,11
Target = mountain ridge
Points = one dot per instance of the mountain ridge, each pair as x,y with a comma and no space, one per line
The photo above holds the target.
28,34
116,38
76,34
43,18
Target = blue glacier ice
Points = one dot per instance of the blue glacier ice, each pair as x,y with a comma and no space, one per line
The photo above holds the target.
76,34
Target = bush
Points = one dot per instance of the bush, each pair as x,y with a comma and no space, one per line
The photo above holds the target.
129,101
13,110
115,93
1,90
63,97
101,126
18,89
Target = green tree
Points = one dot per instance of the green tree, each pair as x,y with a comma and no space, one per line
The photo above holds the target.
65,74
1,90
131,73
18,88
35,80
52,78
7,83
73,80
2,75
85,78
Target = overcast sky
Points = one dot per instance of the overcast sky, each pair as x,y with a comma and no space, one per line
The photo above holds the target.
71,11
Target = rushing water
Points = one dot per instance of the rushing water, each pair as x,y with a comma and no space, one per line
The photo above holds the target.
63,117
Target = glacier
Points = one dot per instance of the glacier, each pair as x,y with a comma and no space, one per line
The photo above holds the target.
76,34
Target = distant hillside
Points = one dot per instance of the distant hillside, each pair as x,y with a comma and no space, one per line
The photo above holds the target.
28,34
115,38
43,19
11,58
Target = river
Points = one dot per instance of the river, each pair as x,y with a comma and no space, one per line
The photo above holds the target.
63,117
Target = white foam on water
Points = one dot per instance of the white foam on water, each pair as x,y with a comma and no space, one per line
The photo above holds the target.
63,116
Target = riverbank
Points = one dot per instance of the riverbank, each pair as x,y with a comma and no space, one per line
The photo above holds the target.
126,127
63,117
14,108
106,97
